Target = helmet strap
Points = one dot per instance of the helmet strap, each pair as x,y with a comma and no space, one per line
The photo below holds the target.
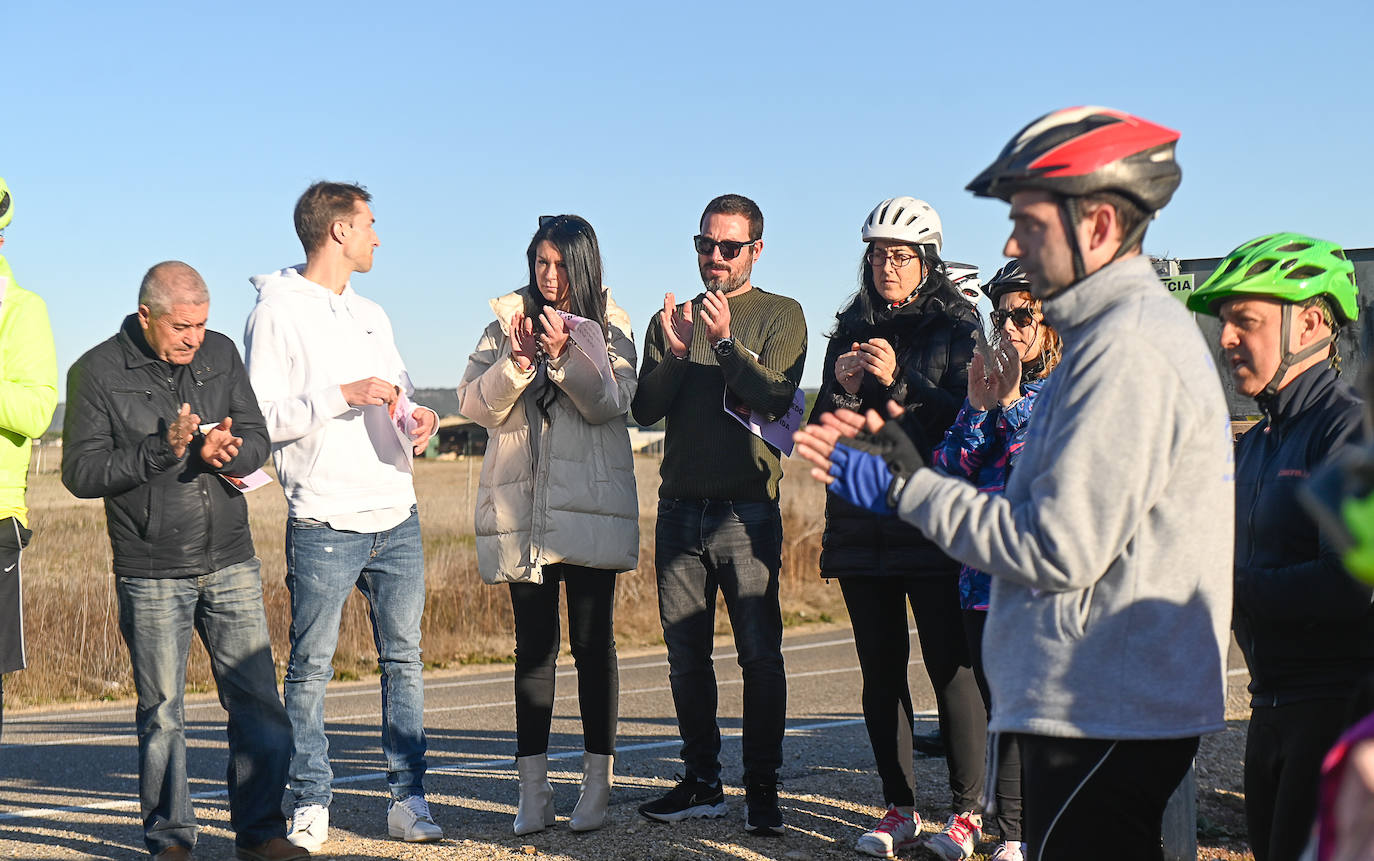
1289,358
1068,212
911,297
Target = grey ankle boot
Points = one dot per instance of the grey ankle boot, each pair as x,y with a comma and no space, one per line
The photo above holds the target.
590,812
536,796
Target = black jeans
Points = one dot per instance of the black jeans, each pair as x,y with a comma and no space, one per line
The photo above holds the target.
591,634
705,547
1284,749
877,610
1007,818
1090,797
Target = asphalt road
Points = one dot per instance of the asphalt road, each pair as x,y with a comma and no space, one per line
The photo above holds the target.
68,777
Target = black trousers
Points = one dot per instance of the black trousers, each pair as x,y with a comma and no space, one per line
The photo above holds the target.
877,608
1086,797
1007,788
13,538
1283,756
591,609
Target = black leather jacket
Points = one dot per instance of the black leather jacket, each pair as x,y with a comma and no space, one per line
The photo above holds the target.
1305,626
167,517
933,340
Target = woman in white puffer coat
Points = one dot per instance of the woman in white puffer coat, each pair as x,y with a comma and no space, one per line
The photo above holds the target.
551,380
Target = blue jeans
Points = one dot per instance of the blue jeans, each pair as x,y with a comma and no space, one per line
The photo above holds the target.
156,618
705,546
323,565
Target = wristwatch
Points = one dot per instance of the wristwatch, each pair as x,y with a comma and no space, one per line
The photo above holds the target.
724,347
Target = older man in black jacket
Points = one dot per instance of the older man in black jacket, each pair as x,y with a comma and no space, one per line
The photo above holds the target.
160,421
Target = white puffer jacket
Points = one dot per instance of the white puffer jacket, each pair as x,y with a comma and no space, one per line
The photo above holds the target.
581,507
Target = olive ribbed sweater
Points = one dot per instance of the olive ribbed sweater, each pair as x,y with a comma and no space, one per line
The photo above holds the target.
706,453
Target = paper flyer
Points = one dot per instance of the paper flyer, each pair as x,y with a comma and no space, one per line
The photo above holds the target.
777,433
403,420
245,483
588,336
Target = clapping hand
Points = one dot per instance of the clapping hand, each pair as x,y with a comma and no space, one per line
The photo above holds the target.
182,430
524,349
220,445
555,337
677,326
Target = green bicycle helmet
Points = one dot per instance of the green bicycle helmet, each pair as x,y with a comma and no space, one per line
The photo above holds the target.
6,204
1289,267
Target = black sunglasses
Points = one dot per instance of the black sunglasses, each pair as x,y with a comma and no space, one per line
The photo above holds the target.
1022,317
729,249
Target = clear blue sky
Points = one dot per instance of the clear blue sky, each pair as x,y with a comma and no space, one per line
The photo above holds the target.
136,132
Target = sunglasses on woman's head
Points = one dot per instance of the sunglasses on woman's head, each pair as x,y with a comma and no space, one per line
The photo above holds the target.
1022,317
729,249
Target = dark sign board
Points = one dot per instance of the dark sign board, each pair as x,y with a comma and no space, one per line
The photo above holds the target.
1355,341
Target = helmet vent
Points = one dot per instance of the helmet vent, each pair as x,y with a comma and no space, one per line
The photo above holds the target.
1259,268
1292,246
4,203
1338,254
1304,272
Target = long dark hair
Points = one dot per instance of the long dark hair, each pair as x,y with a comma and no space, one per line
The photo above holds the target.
576,242
867,308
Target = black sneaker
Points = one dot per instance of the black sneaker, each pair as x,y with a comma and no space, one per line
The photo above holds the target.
765,819
690,799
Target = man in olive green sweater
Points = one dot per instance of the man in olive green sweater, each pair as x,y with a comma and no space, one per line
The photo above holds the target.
719,528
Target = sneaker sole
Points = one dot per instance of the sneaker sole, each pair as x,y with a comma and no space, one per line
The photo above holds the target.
764,830
879,851
400,834
701,811
311,846
941,850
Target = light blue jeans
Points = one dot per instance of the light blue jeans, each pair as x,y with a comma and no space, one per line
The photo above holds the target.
157,618
323,565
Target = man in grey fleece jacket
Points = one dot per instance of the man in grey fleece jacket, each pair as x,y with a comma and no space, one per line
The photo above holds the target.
1111,547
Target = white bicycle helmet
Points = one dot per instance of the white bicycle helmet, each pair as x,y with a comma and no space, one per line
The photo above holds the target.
904,219
964,277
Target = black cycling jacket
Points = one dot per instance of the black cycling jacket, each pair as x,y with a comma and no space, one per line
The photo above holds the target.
167,517
933,340
1305,626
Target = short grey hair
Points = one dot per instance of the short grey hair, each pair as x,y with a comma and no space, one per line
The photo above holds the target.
169,283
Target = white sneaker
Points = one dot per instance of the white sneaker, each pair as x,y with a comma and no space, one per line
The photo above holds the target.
895,832
309,827
956,842
1009,851
409,820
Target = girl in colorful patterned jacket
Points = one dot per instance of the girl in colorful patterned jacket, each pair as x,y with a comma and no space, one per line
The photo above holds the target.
982,446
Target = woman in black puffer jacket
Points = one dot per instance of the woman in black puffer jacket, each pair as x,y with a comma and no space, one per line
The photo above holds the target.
906,336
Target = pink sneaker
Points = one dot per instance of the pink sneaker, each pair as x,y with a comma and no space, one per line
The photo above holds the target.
895,832
956,842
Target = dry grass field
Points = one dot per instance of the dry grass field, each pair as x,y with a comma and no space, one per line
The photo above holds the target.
76,653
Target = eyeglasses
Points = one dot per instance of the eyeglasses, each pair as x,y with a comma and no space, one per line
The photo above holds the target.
879,259
729,249
1023,317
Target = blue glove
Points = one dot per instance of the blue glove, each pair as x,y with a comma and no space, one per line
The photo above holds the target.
871,469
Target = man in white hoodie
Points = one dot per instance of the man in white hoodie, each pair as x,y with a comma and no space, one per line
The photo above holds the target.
335,395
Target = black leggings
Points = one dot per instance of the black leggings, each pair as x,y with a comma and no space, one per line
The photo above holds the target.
591,609
1008,788
1090,798
1284,749
877,610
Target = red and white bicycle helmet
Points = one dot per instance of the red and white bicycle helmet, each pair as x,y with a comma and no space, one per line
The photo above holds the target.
1080,151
